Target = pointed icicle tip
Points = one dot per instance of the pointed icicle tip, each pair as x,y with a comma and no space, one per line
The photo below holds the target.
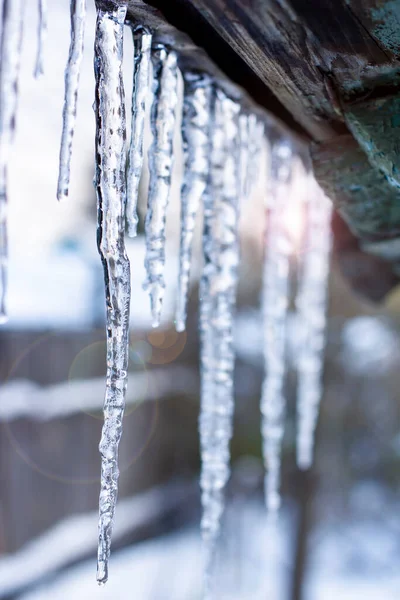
180,326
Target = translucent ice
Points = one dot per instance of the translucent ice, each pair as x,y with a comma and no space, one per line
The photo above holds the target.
111,200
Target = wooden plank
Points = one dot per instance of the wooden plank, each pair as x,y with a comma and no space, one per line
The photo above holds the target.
312,54
381,18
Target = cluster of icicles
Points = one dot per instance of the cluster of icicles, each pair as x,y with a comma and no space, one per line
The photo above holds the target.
223,146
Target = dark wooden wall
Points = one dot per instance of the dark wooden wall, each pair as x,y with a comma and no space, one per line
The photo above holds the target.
50,470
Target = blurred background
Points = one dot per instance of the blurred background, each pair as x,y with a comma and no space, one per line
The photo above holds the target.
339,530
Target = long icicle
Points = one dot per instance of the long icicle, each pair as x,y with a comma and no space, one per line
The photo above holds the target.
10,55
217,303
42,34
274,307
72,72
311,303
195,133
140,92
255,135
161,159
111,199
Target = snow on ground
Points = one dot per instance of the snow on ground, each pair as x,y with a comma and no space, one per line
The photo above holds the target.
352,562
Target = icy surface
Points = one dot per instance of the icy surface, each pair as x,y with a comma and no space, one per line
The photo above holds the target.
161,157
195,133
111,198
72,71
275,305
140,92
42,34
11,42
311,304
217,303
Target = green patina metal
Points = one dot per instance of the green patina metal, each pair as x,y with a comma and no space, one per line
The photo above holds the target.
361,192
376,126
386,17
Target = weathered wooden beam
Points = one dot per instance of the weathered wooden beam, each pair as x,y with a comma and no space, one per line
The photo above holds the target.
333,68
375,125
311,54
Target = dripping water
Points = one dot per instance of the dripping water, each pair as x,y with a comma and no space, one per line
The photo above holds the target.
161,158
111,199
72,72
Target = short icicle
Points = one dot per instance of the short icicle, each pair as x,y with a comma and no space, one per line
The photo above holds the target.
111,200
140,93
275,307
195,134
311,304
72,72
217,303
42,34
10,57
161,159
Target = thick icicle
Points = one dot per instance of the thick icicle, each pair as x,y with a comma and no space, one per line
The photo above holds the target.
42,34
72,71
217,303
11,42
311,303
275,306
195,134
161,158
111,199
140,93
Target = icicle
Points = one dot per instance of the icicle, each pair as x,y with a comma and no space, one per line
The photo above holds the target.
42,34
274,306
140,92
165,84
311,303
72,71
111,199
195,133
11,42
244,155
255,135
217,303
